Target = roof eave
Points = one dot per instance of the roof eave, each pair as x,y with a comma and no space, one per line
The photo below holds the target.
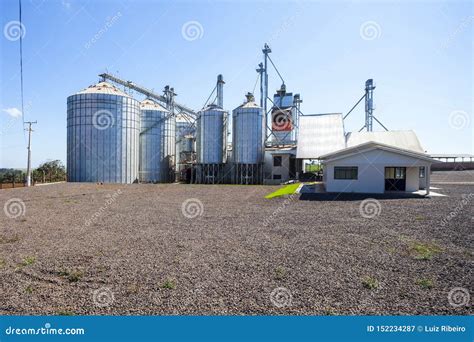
372,146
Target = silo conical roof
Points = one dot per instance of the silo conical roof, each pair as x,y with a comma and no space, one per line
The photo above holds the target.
149,104
213,106
250,103
103,88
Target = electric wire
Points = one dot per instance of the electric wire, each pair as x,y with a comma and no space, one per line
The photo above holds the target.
21,69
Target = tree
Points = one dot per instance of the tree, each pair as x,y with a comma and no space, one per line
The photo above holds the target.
52,171
12,176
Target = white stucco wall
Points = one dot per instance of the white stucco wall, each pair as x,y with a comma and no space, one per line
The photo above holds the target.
371,171
370,179
270,170
413,179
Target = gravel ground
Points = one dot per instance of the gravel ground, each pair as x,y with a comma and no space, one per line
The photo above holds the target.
131,249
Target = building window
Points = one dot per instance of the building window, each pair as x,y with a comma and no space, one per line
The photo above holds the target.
345,172
422,172
400,173
276,176
395,173
276,160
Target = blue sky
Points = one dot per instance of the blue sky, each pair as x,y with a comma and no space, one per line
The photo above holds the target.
420,55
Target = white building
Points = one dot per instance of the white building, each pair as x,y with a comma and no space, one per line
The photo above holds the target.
374,167
364,162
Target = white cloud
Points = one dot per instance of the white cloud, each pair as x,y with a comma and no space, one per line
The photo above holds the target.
66,4
13,112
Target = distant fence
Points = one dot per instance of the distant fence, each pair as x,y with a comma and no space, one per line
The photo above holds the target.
11,185
452,166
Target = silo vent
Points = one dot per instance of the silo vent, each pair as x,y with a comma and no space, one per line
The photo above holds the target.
250,97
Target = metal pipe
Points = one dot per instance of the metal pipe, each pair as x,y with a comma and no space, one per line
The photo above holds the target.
260,71
345,116
297,103
266,50
220,91
146,92
369,104
385,128
274,66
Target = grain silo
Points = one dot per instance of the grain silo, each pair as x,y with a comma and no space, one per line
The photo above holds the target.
154,166
103,125
211,134
248,143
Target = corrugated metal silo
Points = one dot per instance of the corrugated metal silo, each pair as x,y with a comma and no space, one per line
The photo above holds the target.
153,163
248,142
211,134
103,125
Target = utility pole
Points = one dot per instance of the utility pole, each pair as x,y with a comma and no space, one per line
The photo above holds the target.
28,169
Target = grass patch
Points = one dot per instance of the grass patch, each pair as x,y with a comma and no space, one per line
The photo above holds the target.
425,283
29,260
370,283
2,263
29,289
286,190
424,251
72,276
169,284
312,168
279,273
132,289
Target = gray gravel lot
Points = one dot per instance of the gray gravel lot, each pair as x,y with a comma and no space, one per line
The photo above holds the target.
130,249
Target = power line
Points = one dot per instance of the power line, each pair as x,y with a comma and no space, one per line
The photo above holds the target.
21,68
21,62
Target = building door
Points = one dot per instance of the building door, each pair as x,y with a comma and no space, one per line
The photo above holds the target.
395,178
292,170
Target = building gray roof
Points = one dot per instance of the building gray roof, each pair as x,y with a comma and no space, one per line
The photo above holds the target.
406,140
371,145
